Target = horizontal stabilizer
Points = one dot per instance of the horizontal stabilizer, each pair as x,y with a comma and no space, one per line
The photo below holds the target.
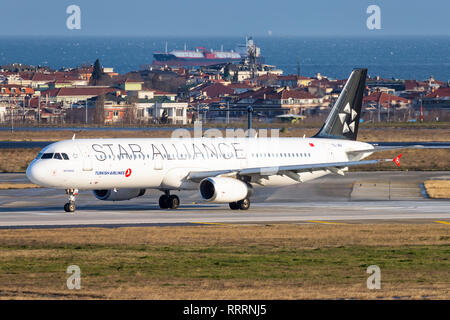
387,146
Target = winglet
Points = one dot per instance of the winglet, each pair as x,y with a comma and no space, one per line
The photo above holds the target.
397,160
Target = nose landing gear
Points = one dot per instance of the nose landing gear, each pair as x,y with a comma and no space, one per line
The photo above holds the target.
70,206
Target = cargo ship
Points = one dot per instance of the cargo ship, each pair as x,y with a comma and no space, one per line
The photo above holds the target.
202,57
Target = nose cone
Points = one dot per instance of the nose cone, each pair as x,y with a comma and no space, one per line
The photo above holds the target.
35,173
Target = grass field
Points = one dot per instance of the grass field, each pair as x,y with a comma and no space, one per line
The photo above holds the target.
228,262
441,133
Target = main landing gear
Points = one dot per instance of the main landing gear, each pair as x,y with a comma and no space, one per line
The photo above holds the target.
70,206
243,204
168,201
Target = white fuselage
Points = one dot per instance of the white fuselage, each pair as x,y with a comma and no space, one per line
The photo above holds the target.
164,164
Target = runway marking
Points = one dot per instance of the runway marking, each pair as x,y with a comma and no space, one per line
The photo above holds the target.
325,222
443,222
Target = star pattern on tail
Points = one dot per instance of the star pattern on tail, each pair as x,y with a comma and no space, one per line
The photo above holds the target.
350,114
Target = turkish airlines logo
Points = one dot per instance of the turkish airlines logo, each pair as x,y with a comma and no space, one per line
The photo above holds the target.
128,173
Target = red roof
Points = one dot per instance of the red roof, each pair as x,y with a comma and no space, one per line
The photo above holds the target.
296,94
441,92
79,91
383,98
162,93
216,90
276,94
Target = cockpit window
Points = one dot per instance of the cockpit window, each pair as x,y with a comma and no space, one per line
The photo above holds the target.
47,156
65,156
57,156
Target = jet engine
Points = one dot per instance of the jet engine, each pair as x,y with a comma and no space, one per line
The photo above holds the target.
118,195
224,189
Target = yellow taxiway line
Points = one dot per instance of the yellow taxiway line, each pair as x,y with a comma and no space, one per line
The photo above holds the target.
443,222
326,222
215,223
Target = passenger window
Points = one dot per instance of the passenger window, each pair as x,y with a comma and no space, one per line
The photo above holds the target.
57,156
47,156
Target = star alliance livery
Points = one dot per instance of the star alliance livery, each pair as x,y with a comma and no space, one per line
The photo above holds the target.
223,170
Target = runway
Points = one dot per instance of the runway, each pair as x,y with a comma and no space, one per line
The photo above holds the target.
359,197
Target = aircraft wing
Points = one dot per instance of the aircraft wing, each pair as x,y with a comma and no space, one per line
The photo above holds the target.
387,146
288,170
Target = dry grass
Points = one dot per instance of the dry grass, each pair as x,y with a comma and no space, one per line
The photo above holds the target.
7,186
412,159
365,134
228,262
439,189
16,160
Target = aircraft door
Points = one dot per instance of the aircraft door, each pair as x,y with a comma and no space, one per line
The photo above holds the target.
86,157
158,163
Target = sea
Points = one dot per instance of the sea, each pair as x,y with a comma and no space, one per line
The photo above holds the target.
388,57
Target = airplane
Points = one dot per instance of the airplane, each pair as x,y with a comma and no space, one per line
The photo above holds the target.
223,170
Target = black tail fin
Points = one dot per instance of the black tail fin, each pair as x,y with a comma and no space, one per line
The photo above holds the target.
343,120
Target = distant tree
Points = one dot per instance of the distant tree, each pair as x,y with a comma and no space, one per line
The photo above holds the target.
98,77
130,114
96,73
99,112
226,72
236,76
164,117
131,110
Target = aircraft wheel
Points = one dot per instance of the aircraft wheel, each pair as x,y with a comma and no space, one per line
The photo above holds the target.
164,202
234,205
244,204
69,207
173,202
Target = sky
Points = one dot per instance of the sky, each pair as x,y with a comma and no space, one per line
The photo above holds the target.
199,18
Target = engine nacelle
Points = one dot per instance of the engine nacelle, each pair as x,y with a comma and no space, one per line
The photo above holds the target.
223,189
121,194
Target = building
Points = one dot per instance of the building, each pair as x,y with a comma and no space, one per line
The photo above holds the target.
8,90
437,99
171,112
131,85
277,101
117,112
76,94
385,100
2,112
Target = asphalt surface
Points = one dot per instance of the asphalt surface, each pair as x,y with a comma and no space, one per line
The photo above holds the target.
358,197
